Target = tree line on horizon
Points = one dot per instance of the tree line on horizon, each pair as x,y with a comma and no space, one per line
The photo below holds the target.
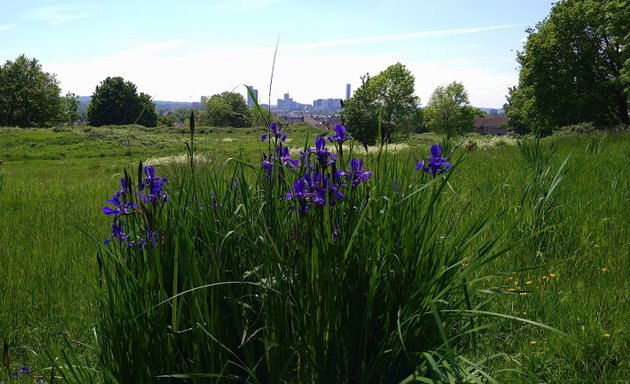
31,98
574,68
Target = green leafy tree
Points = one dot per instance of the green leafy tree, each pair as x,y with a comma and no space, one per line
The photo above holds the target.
258,120
449,111
386,99
28,96
227,109
148,115
573,67
361,113
116,102
71,108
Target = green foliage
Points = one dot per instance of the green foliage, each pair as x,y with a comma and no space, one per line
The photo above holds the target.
259,119
148,116
360,113
579,285
242,285
449,111
227,109
116,102
572,68
520,111
29,97
71,108
172,118
387,99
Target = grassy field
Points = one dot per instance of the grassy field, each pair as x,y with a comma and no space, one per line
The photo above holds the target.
567,196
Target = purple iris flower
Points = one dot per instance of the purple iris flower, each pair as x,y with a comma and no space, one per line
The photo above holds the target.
317,187
287,160
267,166
434,164
357,174
276,131
153,184
299,192
214,200
324,157
121,207
337,184
340,135
117,231
22,371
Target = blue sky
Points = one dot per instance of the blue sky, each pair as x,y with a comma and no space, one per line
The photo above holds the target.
181,50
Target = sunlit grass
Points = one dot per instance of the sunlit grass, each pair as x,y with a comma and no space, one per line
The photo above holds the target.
51,203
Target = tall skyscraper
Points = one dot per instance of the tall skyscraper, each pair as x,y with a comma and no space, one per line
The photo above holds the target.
348,89
252,101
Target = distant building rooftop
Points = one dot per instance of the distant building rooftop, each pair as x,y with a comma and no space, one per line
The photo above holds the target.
493,125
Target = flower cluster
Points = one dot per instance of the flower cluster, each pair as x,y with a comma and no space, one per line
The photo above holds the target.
434,164
152,188
322,180
281,154
124,204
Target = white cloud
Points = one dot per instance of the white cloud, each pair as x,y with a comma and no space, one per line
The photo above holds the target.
173,70
486,88
6,27
58,14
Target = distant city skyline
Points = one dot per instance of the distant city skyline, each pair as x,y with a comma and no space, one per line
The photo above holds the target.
196,48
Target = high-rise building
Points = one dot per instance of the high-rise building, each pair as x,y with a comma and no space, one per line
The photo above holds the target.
327,105
287,103
348,89
252,101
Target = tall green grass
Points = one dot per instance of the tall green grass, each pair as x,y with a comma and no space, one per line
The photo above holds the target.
569,273
241,283
570,285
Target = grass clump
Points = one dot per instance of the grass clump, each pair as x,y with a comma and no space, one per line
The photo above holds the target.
324,268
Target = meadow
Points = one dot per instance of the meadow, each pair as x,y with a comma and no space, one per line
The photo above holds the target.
510,266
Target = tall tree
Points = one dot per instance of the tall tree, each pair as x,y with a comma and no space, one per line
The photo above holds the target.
227,109
28,95
148,115
71,108
361,113
387,99
449,111
116,101
572,68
